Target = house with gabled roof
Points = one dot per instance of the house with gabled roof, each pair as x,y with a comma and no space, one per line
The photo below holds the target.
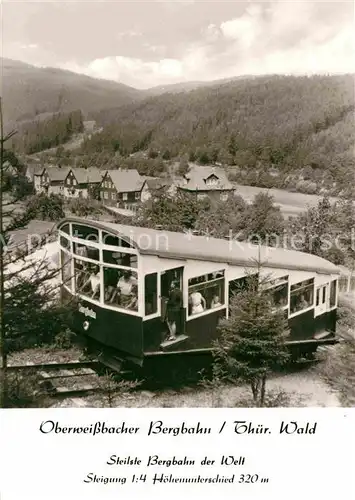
37,175
159,185
123,189
203,181
56,178
81,182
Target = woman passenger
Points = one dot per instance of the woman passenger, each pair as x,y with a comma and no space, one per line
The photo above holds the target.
197,302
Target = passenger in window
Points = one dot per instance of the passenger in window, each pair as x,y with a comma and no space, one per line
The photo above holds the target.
110,279
124,289
173,310
216,301
93,281
197,302
303,304
133,303
81,251
82,274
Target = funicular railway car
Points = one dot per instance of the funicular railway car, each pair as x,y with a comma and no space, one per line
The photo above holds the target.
123,276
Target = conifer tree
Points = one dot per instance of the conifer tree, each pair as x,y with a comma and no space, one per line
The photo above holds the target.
29,307
251,342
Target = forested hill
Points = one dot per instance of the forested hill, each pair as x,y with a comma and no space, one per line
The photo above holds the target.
47,132
288,122
29,91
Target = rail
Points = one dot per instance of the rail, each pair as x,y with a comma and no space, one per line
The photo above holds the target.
76,378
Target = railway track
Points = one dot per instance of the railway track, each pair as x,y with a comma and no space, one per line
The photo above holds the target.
82,378
76,378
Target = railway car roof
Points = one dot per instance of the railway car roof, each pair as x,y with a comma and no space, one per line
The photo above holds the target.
176,245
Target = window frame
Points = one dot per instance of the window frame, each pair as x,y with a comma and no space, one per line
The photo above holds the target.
271,287
102,284
220,279
101,264
62,251
297,313
336,294
321,291
157,312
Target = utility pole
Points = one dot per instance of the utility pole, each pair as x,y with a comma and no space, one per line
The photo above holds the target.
3,353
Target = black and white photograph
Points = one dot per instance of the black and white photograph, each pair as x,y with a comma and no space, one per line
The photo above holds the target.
177,221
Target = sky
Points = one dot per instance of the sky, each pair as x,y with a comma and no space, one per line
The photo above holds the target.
149,43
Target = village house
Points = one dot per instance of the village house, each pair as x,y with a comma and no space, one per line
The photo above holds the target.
56,178
81,182
203,181
123,189
38,176
159,186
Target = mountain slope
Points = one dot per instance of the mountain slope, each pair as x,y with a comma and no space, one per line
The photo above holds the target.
29,91
283,121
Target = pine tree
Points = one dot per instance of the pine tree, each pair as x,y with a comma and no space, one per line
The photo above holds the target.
3,352
29,308
251,341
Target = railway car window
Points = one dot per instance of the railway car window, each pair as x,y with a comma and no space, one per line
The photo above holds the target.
206,277
241,284
279,295
64,242
86,251
85,233
302,296
120,259
151,293
333,293
66,269
65,228
121,288
87,279
206,292
115,241
278,290
321,295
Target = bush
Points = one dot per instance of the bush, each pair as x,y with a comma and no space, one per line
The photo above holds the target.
23,391
31,322
346,321
45,207
307,187
338,370
113,387
63,340
83,207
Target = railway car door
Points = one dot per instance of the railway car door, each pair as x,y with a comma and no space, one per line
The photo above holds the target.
166,278
321,300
